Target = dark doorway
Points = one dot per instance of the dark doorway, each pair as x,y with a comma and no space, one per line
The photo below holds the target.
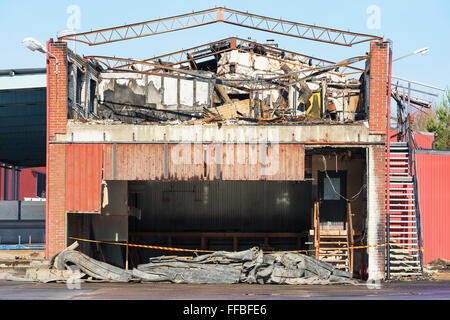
332,206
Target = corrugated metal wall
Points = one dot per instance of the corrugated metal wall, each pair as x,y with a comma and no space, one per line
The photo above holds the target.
181,162
224,206
83,177
22,126
433,173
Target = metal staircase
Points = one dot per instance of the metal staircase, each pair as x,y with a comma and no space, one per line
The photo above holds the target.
403,230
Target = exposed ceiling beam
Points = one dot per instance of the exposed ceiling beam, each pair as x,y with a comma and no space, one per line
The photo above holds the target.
204,51
200,52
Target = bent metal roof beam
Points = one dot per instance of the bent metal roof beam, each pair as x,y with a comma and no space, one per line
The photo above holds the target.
220,14
181,57
210,49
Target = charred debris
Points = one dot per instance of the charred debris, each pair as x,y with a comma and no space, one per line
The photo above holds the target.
232,80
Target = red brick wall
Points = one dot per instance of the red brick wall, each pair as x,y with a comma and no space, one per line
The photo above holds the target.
378,73
56,156
378,87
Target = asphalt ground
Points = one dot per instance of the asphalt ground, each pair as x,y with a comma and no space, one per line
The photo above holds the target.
396,290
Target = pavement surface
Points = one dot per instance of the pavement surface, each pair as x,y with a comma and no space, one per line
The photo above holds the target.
408,290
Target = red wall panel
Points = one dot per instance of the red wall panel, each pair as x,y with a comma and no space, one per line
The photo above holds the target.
28,182
433,173
423,140
83,177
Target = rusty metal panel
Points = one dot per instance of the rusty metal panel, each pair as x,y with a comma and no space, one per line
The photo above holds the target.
433,174
108,168
286,162
184,162
83,177
134,162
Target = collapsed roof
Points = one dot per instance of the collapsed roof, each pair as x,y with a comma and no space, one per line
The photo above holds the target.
230,79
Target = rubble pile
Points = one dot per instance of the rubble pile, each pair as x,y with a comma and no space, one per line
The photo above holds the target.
249,266
245,83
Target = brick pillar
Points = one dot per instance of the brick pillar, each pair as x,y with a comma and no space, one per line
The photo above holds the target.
376,213
376,228
378,87
56,155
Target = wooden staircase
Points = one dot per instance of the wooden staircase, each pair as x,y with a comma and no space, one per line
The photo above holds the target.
334,246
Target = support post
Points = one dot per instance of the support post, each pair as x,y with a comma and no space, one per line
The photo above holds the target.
13,183
388,156
6,183
18,184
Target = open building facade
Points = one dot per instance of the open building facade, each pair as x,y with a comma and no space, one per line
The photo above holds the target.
224,146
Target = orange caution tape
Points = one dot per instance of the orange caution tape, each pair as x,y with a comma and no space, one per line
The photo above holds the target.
211,251
142,245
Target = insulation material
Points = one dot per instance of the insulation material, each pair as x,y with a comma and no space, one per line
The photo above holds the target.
314,105
261,63
228,111
249,266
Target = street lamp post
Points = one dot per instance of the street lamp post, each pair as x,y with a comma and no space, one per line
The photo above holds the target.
35,45
418,51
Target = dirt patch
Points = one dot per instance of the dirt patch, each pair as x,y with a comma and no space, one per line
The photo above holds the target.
438,269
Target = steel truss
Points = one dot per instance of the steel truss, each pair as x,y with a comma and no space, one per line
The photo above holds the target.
220,14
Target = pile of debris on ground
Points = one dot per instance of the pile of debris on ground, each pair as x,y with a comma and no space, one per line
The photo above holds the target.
438,269
17,262
221,267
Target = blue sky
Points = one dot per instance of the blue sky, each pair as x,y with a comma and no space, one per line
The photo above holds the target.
410,24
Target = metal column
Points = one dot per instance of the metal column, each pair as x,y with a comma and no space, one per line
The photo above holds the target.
13,183
6,184
18,184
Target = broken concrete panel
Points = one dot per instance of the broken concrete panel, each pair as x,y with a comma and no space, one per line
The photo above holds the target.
170,91
186,92
202,93
125,91
154,95
85,132
155,81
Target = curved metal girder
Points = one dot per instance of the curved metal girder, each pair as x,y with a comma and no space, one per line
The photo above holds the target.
181,57
200,52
